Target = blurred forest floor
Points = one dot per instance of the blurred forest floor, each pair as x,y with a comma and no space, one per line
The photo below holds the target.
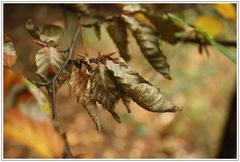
202,85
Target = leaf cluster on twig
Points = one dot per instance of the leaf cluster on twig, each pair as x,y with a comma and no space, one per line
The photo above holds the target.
110,81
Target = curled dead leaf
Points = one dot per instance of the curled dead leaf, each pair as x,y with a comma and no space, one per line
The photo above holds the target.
151,99
148,41
104,90
118,32
46,33
78,81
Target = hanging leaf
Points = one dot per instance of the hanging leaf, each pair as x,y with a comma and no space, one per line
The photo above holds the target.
91,107
124,75
78,81
97,30
138,89
118,32
46,33
148,42
10,56
104,90
126,101
50,33
151,99
49,60
164,26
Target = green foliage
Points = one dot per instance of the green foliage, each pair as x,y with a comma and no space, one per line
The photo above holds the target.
205,35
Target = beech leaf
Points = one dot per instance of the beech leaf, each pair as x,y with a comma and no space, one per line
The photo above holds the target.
104,90
91,107
164,26
49,60
147,40
78,81
126,100
138,89
118,32
151,99
50,33
124,75
46,33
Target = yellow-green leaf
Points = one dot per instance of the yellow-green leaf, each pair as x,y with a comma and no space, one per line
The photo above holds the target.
210,24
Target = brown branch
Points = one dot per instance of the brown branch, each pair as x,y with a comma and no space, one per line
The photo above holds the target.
52,92
194,40
67,153
184,39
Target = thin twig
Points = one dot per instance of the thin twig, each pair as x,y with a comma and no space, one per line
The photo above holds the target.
68,153
40,84
194,40
52,92
188,39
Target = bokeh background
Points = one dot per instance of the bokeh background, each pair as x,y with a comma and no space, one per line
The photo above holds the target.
204,86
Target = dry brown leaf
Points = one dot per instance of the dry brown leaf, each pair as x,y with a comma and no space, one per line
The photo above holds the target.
118,32
104,90
78,81
148,41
